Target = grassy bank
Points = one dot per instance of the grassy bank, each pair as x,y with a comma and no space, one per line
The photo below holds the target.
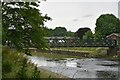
94,52
91,50
15,65
53,56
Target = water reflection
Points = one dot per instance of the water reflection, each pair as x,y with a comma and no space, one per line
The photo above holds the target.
79,68
107,74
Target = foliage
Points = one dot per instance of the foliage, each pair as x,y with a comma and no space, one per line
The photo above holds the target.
70,34
6,66
88,35
17,64
81,32
58,31
22,73
22,25
36,74
98,36
23,68
106,24
49,32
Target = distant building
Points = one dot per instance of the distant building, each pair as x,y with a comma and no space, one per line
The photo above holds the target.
115,49
114,36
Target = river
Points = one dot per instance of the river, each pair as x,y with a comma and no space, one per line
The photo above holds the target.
78,68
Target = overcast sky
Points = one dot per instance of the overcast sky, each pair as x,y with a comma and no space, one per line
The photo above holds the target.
74,14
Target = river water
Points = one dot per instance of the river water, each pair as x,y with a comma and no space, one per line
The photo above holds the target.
78,68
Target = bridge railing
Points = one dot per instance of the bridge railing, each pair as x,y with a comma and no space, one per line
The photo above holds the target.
80,43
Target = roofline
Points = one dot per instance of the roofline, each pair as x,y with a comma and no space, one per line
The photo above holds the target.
116,34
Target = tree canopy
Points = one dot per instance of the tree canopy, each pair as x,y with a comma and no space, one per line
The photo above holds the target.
107,24
81,32
88,35
22,25
58,31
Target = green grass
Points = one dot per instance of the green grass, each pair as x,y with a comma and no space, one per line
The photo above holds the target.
14,65
93,51
11,63
81,49
47,74
53,56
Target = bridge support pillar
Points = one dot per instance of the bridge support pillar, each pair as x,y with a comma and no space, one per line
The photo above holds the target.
112,50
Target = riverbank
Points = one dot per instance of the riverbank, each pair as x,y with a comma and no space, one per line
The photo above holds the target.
53,56
93,51
77,52
16,65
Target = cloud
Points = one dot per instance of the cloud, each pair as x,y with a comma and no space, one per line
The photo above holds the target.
75,20
88,15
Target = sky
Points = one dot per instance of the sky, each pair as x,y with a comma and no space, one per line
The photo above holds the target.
75,14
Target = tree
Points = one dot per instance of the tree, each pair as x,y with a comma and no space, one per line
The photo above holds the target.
22,25
70,34
81,32
49,32
60,31
88,35
107,24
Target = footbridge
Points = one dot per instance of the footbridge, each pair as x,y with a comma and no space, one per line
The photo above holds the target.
77,42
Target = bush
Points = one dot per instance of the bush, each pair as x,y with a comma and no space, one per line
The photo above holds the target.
36,74
6,67
23,68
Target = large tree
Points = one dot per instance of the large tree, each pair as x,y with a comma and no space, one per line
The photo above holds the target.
70,34
81,32
88,35
107,24
22,25
60,31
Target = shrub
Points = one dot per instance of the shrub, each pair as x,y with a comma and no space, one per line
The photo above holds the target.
23,68
36,74
6,67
